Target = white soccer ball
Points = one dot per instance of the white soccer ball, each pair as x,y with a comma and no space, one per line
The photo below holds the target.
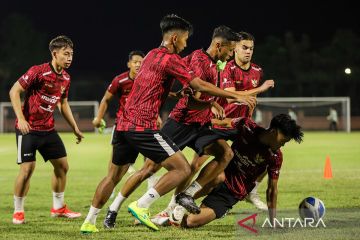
312,207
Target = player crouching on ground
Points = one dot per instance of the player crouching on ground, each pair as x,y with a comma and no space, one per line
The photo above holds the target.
255,150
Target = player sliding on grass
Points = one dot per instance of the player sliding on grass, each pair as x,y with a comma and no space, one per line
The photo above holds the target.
255,150
137,130
46,87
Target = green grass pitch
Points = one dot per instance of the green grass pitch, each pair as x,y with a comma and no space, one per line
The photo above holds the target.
301,176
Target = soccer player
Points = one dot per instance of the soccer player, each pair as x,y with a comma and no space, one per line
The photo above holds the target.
185,125
243,76
137,130
256,150
120,85
46,87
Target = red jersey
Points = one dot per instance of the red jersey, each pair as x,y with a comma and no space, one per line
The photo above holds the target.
121,85
44,89
151,87
251,159
204,67
241,80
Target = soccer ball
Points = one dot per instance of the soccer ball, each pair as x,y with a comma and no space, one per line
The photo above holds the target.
312,207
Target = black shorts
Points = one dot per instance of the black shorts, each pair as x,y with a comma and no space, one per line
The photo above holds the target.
226,134
221,200
153,144
184,135
49,145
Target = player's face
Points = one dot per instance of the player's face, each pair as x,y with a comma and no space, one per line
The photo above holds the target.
135,63
244,51
180,41
279,140
63,56
226,50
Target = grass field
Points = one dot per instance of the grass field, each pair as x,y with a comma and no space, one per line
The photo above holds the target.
301,176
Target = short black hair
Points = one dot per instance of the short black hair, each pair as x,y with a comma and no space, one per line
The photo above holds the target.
136,53
174,22
287,126
60,42
246,36
226,33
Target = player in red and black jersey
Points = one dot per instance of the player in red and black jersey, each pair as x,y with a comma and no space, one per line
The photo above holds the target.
137,130
245,77
46,87
121,85
185,125
255,150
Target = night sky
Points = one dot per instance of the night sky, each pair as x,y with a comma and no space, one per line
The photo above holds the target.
105,31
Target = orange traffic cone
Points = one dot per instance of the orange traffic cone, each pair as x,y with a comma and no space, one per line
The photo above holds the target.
327,170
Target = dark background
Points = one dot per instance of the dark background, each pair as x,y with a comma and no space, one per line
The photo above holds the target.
303,46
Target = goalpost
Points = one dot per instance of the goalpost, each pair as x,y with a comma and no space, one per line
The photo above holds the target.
83,111
311,112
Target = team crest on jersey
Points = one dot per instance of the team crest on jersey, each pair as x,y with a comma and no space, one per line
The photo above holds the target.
259,159
254,82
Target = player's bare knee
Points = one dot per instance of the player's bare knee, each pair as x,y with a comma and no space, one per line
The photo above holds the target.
219,179
192,221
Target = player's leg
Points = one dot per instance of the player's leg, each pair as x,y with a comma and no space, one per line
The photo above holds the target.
122,156
215,205
210,186
52,149
195,166
223,155
128,188
158,147
26,146
254,198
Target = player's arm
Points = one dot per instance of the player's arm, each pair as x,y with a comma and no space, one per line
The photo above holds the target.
271,197
204,87
253,92
65,110
226,122
102,108
14,93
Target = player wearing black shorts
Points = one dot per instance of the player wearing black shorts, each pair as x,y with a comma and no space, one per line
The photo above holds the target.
46,86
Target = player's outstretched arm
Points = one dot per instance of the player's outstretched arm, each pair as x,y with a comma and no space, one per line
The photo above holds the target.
199,85
271,197
226,122
67,113
102,108
14,93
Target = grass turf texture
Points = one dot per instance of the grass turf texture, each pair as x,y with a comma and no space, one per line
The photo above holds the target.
301,176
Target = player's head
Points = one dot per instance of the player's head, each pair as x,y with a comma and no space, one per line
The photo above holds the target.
175,30
283,129
61,49
245,47
135,60
224,39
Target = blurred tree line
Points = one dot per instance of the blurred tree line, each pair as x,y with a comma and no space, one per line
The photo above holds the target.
300,67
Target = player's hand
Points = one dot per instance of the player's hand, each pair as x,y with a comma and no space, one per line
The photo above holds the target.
267,84
217,110
159,122
96,122
247,100
23,126
79,135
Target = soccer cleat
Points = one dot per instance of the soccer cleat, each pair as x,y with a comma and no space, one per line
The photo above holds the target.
254,199
187,202
142,214
64,212
109,221
177,216
18,218
87,228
